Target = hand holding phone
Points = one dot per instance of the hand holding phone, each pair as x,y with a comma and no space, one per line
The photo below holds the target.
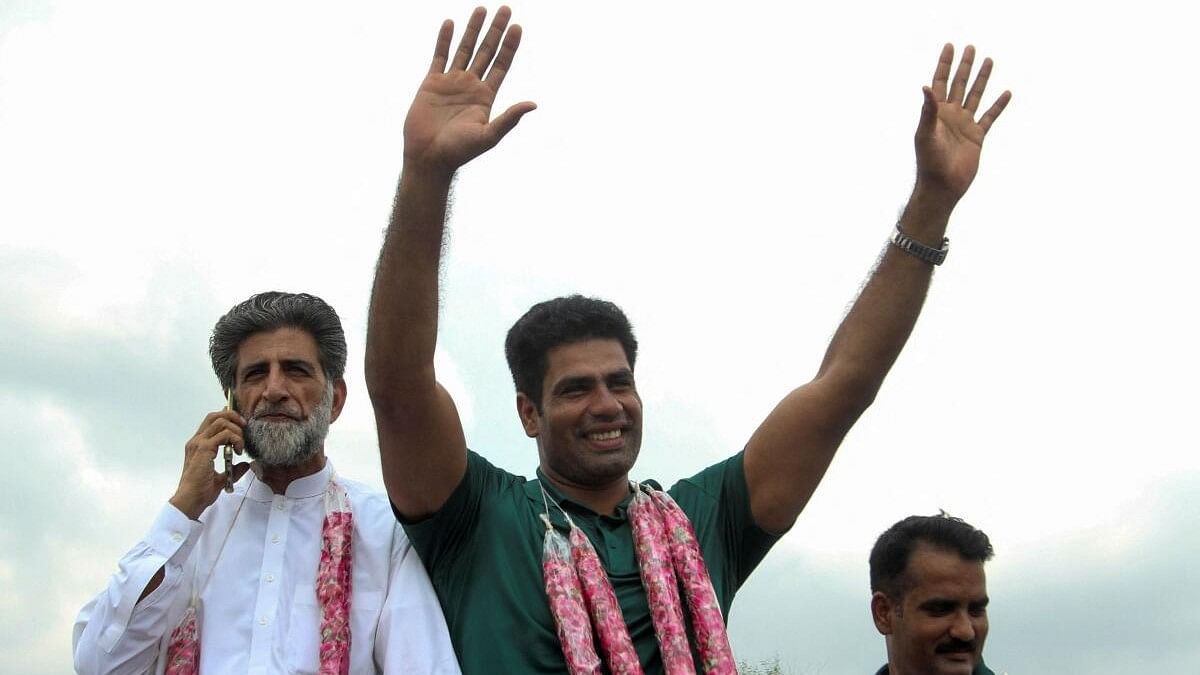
201,480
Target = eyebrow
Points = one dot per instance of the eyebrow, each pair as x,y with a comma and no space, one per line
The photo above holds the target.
286,363
932,603
574,381
948,602
621,375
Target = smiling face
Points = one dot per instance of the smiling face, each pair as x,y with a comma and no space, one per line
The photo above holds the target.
939,625
285,397
589,428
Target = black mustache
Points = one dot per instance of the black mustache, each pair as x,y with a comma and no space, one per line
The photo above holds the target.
955,646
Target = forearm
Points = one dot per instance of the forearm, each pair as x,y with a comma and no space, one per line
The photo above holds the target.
121,629
137,650
878,325
403,320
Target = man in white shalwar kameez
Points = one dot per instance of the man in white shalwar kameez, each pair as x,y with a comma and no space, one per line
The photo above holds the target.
248,581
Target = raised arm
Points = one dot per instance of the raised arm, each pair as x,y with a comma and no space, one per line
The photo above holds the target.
789,453
421,441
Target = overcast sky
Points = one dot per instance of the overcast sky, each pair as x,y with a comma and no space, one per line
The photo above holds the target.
728,175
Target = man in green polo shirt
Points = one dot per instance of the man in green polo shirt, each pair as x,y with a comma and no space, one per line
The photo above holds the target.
488,537
929,596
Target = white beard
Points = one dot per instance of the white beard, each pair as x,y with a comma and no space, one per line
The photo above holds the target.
288,443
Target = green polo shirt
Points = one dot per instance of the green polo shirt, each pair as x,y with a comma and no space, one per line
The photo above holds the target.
483,551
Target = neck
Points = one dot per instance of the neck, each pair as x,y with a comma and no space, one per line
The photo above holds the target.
602,499
278,478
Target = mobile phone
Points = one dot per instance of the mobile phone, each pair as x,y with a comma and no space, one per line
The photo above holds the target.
229,447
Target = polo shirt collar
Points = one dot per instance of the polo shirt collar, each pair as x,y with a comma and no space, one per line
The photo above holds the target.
533,491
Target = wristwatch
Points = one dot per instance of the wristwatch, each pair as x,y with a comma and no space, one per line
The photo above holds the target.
915,248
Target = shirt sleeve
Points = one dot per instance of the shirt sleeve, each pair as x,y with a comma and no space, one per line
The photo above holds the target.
443,537
411,636
114,633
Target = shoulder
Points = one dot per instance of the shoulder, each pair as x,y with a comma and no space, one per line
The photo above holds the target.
488,480
713,481
477,463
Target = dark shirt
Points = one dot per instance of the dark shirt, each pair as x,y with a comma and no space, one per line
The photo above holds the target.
483,551
980,669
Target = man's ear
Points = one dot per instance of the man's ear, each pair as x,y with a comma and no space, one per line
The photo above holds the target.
530,419
881,612
339,399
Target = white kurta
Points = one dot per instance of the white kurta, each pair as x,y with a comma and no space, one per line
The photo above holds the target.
252,558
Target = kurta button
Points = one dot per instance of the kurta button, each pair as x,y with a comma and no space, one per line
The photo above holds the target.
274,539
176,537
270,578
262,621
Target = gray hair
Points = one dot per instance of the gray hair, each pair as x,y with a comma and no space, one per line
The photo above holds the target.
270,311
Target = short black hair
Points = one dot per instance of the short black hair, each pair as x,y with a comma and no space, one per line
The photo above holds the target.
889,556
564,320
272,310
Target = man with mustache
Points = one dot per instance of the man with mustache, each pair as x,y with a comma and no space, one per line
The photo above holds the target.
297,569
528,571
929,596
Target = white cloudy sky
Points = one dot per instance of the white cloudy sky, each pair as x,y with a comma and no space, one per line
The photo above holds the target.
727,173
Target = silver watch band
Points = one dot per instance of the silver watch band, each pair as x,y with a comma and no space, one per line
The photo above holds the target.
915,248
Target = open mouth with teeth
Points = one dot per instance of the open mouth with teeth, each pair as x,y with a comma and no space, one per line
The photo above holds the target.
609,439
605,435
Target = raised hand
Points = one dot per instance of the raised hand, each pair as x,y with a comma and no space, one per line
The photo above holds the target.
949,138
449,123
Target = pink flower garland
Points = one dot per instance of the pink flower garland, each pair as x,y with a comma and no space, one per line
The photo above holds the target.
707,620
183,651
662,590
566,604
606,615
334,581
665,544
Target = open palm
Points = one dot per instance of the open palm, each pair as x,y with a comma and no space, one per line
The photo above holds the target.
948,138
450,121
